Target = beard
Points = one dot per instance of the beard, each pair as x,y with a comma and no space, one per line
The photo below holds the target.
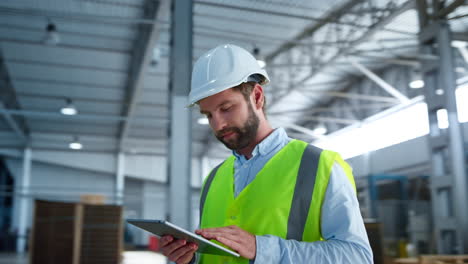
244,135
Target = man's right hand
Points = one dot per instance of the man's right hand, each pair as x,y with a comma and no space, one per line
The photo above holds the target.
177,250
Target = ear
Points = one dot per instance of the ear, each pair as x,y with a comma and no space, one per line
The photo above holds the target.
258,96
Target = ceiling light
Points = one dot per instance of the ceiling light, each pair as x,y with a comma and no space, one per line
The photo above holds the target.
416,84
52,37
320,130
69,108
439,92
260,61
75,144
442,118
203,121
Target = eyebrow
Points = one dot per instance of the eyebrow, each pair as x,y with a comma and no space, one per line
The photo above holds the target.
219,105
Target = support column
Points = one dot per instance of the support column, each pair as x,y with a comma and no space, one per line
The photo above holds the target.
448,179
179,162
120,179
24,201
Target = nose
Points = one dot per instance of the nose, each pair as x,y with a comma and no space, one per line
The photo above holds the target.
217,123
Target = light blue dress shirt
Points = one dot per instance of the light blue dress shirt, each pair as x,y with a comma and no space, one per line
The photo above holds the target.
342,225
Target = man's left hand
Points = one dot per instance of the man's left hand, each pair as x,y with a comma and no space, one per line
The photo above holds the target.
234,237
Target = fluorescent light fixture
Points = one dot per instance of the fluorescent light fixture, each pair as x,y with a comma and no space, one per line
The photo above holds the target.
203,121
261,63
442,119
68,111
69,108
75,145
459,44
462,101
416,84
320,130
439,92
52,37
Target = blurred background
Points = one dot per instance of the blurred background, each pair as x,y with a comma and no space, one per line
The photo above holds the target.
94,129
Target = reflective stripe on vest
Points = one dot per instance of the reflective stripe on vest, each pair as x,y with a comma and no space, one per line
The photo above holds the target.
206,187
303,192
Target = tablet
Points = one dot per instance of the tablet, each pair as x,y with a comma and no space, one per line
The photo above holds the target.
161,228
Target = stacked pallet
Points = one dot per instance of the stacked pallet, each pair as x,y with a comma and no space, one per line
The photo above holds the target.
443,259
101,230
76,233
374,233
434,259
54,236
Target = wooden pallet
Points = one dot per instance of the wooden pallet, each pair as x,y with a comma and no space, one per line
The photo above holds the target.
434,259
443,259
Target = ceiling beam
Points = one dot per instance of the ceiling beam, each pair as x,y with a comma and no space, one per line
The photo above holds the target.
277,13
37,114
83,18
9,101
357,96
379,81
309,31
376,27
144,47
326,119
310,111
450,8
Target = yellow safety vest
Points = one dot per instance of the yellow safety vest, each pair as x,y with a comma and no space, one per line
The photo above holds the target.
284,199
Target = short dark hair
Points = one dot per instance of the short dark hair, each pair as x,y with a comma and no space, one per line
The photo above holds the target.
246,89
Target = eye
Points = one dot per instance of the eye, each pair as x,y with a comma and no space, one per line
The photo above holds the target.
226,109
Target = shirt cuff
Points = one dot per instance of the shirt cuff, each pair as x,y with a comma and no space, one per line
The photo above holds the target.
268,250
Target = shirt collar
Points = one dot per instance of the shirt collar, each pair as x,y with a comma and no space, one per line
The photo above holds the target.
267,145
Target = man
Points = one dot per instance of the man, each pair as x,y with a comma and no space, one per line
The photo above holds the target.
276,199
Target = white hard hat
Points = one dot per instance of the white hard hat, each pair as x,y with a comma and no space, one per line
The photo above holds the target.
222,68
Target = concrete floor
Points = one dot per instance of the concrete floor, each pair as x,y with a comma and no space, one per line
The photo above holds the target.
130,257
12,258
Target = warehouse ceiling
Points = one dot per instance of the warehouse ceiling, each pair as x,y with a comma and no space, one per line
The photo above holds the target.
111,61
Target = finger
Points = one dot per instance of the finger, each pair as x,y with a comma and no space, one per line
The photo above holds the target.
165,240
181,252
188,256
231,243
226,229
209,232
238,237
170,248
